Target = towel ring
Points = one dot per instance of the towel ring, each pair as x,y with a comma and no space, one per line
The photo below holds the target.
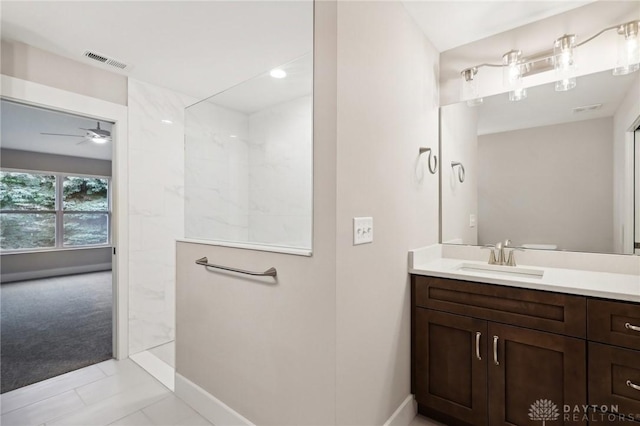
433,169
461,172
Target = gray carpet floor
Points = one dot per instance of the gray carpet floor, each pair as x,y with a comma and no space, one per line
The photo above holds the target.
52,326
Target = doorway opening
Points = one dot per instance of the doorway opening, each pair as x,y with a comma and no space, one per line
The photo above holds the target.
56,243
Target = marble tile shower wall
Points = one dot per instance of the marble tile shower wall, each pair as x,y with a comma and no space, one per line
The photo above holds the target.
248,177
156,210
280,174
217,173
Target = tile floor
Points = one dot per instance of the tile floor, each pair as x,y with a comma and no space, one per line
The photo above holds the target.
423,421
117,393
111,393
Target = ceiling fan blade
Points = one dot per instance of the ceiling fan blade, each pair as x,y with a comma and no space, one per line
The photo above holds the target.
62,134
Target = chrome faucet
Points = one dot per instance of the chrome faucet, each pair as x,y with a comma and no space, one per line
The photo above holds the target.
500,260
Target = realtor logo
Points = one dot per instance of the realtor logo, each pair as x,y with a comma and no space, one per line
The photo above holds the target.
544,410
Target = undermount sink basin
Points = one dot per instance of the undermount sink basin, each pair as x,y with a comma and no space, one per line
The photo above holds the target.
513,271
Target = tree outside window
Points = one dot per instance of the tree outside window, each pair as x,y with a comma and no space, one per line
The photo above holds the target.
47,211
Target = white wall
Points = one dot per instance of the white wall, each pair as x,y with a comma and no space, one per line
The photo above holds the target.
566,172
623,174
30,63
156,210
387,109
595,56
459,143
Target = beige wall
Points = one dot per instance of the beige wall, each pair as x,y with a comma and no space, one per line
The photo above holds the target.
265,348
459,143
387,109
627,114
27,160
566,171
329,341
26,62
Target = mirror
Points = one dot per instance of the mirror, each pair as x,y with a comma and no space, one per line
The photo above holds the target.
248,161
553,171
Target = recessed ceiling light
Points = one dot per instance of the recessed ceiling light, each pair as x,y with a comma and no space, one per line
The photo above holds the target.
278,73
167,121
233,136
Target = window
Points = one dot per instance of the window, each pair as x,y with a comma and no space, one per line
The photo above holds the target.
50,210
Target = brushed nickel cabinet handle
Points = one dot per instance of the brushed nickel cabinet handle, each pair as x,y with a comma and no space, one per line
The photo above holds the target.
628,326
495,350
633,386
478,336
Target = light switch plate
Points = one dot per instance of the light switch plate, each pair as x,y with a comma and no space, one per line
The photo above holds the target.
362,230
472,221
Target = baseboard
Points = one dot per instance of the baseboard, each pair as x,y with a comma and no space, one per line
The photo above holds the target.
210,407
55,272
159,369
405,413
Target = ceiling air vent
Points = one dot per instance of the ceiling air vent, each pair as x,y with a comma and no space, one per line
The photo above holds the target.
104,59
587,108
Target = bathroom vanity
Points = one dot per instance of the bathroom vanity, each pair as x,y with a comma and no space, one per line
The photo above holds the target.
487,346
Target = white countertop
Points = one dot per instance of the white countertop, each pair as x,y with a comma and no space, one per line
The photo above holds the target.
609,285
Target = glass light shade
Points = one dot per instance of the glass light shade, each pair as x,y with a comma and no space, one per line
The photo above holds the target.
512,75
511,71
470,90
628,50
518,94
564,63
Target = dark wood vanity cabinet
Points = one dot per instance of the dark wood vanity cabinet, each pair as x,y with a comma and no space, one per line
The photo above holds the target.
449,367
614,371
483,354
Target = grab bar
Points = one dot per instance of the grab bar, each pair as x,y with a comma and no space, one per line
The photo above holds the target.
271,272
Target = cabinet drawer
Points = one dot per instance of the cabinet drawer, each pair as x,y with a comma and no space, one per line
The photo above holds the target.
616,323
613,373
553,312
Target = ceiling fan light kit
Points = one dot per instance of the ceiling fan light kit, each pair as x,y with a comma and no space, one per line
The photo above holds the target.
97,135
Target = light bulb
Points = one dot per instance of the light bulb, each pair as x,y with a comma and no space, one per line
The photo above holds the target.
512,75
563,62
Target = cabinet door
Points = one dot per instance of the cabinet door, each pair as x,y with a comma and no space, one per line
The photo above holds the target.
614,378
533,375
450,369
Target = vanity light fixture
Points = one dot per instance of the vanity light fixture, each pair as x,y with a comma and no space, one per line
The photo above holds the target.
561,58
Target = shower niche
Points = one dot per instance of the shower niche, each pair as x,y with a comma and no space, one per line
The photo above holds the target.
248,162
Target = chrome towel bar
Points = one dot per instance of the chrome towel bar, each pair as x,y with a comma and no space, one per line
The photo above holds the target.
271,272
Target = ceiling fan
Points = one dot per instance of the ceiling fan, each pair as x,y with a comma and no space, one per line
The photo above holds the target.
96,135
